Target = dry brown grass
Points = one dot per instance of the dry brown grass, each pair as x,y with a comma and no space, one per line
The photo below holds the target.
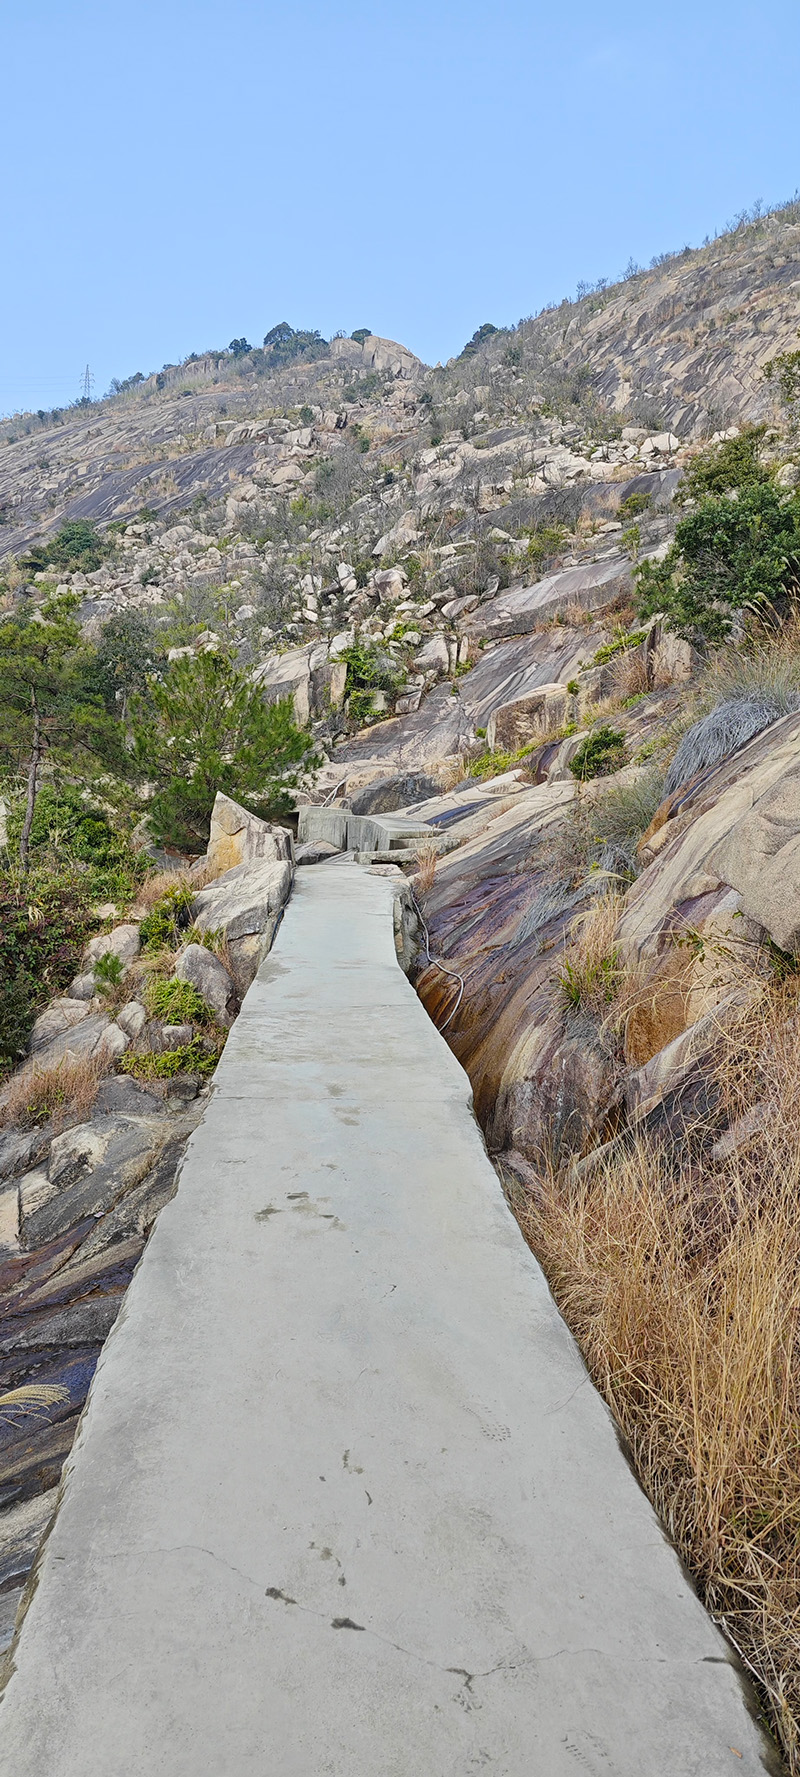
766,664
151,890
576,616
54,1091
680,1277
451,771
427,857
629,675
590,973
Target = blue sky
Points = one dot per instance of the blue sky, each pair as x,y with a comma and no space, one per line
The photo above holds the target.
178,173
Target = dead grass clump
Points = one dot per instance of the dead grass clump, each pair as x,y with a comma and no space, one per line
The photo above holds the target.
427,857
590,970
452,771
766,665
154,887
159,963
682,1286
746,688
629,675
40,1094
602,828
576,616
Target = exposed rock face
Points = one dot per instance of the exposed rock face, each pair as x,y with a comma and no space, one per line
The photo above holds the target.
245,904
519,610
387,793
122,942
738,827
244,900
238,837
721,873
515,725
308,675
446,725
60,1016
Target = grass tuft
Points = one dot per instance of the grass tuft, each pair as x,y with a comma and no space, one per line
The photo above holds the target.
679,1273
42,1093
427,857
590,974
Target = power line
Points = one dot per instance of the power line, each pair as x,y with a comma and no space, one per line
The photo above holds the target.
87,384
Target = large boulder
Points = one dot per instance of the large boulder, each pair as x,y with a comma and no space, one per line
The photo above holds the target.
132,1019
59,1016
375,353
238,837
401,534
390,584
401,790
308,675
515,725
89,1168
737,827
520,609
208,975
433,656
122,942
89,1038
246,905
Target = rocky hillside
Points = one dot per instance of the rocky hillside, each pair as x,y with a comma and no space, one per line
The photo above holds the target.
286,495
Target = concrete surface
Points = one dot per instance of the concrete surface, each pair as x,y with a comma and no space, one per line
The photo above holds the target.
360,832
344,1501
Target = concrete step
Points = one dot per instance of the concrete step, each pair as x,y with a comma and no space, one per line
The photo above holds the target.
344,1502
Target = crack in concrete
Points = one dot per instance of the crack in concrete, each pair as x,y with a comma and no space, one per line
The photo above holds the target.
410,1653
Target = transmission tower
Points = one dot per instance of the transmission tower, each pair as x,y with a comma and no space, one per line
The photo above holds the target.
87,384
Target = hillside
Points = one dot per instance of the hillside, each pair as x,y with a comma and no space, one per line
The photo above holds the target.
250,474
521,633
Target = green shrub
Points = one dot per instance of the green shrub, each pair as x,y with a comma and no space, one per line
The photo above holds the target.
76,546
176,1002
596,980
733,463
108,973
206,727
45,920
197,1057
545,543
360,707
210,940
785,372
600,754
369,669
609,649
363,388
17,1006
67,820
633,507
493,764
161,928
739,549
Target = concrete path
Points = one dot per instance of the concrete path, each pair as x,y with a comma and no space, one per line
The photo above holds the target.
344,1501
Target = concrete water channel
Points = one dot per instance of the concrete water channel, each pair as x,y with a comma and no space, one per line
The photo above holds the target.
344,1500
